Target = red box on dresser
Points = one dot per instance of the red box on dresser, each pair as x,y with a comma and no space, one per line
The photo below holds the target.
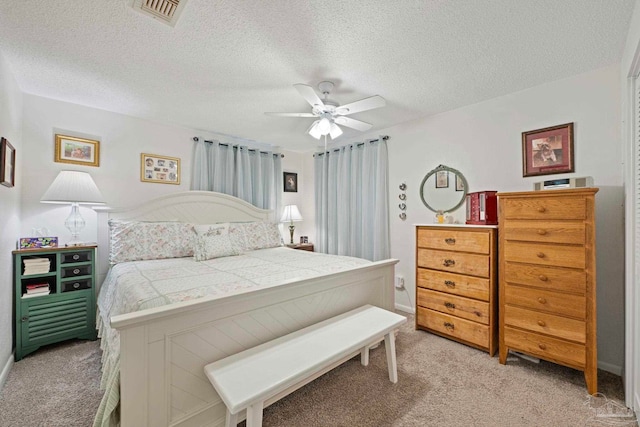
482,208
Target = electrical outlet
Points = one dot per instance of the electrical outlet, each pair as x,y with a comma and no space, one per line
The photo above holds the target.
399,283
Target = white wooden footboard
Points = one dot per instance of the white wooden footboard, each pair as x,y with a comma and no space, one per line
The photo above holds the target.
163,351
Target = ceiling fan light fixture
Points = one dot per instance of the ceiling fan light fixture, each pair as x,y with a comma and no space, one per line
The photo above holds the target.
314,131
335,131
324,126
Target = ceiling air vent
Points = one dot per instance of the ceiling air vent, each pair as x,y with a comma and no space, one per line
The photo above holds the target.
166,11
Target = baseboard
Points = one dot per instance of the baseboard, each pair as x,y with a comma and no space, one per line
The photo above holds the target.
614,369
404,308
5,370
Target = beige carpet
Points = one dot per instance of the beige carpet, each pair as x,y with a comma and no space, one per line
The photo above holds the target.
441,383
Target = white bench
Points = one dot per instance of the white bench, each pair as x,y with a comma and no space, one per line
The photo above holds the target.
266,373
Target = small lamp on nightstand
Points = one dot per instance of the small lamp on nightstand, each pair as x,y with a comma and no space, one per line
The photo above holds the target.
291,214
74,188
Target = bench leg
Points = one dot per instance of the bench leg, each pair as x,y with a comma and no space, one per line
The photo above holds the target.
364,356
232,420
390,346
254,415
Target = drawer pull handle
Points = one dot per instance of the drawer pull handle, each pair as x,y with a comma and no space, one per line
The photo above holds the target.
25,318
76,257
76,270
542,232
542,300
449,325
450,283
541,323
541,209
540,254
76,285
448,262
542,346
543,278
450,241
450,306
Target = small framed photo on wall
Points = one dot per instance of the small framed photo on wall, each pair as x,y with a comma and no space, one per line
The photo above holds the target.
160,169
78,151
290,182
442,179
7,163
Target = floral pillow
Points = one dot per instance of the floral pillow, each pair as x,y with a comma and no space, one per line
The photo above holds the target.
250,236
212,241
138,240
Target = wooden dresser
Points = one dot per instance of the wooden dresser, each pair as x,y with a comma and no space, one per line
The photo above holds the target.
456,284
547,277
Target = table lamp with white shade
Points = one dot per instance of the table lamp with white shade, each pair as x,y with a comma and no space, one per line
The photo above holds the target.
291,214
74,188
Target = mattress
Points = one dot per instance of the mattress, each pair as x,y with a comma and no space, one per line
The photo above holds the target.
140,285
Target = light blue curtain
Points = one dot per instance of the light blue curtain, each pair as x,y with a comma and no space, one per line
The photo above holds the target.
251,175
352,200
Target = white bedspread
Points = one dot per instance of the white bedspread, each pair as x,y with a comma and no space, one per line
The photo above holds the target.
139,285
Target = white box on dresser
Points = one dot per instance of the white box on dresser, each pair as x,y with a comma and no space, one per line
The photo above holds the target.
456,283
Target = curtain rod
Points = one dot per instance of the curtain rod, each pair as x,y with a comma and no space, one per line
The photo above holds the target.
359,144
196,139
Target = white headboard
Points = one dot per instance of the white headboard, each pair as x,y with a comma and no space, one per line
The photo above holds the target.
196,207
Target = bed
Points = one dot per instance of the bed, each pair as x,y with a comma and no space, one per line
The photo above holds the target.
157,378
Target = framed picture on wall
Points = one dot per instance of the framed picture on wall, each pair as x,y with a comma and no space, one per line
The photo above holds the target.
548,151
7,163
290,182
79,151
160,169
459,183
442,179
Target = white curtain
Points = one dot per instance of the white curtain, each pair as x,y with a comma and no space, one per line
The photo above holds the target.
251,175
352,200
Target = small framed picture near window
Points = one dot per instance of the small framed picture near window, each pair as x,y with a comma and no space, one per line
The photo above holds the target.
442,179
290,182
160,169
79,151
7,164
459,183
548,151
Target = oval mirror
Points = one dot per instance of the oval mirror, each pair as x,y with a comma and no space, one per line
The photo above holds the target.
443,189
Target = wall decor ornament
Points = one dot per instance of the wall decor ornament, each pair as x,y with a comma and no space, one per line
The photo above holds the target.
548,151
78,151
160,169
7,163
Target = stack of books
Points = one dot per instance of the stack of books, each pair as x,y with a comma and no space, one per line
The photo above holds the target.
36,289
36,266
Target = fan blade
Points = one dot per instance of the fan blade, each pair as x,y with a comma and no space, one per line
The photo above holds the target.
291,114
353,123
309,95
370,103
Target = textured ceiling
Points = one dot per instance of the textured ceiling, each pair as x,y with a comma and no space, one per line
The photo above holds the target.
226,62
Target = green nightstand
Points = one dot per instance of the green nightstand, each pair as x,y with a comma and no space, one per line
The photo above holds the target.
55,298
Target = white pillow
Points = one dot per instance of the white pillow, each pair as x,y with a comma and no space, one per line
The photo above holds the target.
138,240
250,236
212,241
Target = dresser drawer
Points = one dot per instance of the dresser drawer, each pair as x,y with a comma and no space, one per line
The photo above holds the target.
455,262
547,348
547,301
76,256
545,231
543,254
454,240
545,323
544,208
457,284
467,308
78,270
551,278
465,330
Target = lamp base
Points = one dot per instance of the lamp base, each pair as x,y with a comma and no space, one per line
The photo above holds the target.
291,230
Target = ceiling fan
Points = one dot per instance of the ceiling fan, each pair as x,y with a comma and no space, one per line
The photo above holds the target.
329,113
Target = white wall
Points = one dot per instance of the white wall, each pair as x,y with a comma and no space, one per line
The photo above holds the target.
10,128
483,141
